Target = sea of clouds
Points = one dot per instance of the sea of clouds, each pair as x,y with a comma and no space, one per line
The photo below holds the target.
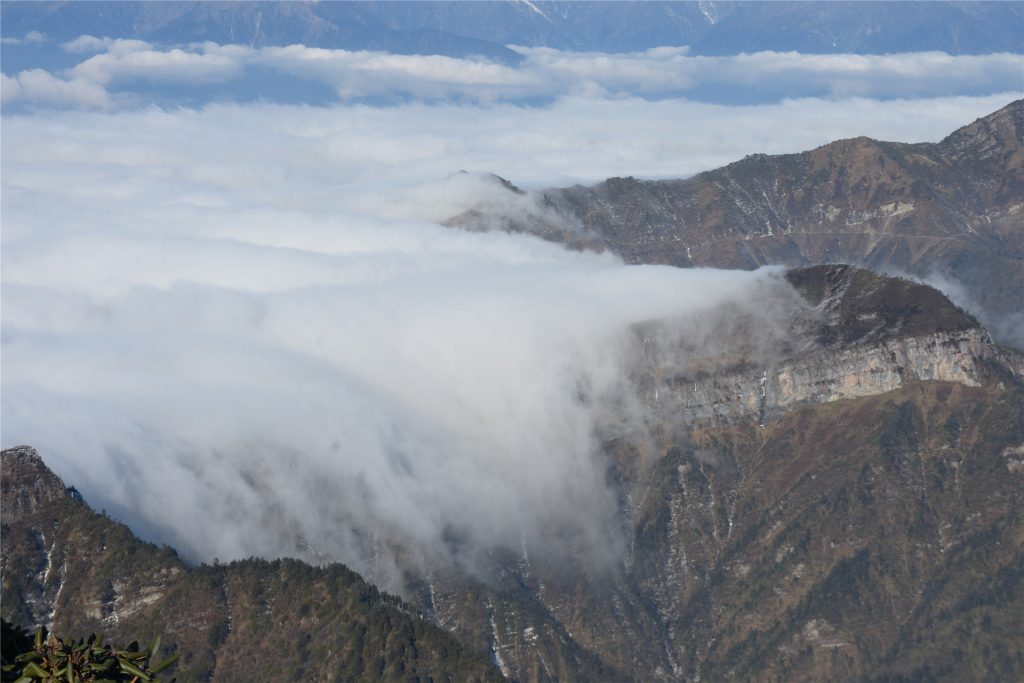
242,329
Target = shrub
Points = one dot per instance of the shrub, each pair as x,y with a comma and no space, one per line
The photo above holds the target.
51,659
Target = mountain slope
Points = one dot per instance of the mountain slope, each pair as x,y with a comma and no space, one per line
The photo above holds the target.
846,510
352,26
67,566
952,210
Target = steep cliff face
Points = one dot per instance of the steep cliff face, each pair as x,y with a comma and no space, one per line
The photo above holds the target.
828,376
863,539
860,335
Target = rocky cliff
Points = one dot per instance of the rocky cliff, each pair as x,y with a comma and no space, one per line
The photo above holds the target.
859,335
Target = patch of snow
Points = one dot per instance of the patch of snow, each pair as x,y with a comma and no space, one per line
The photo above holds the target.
535,9
496,642
707,9
56,598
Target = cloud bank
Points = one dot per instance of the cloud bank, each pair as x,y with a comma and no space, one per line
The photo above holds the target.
133,72
574,140
240,330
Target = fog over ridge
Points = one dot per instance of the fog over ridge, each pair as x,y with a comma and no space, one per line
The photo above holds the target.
242,330
461,400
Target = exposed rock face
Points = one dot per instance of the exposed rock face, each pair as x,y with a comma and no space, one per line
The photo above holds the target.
954,209
866,335
853,373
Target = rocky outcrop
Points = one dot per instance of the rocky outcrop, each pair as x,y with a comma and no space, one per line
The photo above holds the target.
860,335
827,376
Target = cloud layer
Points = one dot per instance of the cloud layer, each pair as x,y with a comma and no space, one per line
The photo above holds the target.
131,72
240,330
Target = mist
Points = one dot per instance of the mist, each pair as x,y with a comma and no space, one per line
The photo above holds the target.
285,358
243,331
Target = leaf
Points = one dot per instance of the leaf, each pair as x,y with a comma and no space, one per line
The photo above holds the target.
135,671
164,664
35,671
155,646
104,665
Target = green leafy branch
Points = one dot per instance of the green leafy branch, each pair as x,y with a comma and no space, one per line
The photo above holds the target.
52,660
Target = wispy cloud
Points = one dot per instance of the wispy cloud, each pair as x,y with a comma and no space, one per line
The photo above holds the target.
126,60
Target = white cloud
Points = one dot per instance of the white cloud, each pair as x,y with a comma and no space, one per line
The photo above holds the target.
359,74
31,38
548,74
132,59
10,89
88,44
236,327
41,87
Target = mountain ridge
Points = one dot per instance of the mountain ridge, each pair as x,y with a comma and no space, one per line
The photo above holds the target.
303,621
950,211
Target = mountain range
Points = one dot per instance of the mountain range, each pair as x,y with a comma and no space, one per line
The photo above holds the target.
487,28
73,570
